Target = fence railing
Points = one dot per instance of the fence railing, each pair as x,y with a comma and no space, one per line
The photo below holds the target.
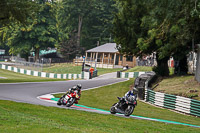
82,75
31,65
3,58
39,65
99,62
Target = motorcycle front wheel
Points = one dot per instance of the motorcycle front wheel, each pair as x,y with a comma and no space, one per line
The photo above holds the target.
70,101
60,101
112,109
129,110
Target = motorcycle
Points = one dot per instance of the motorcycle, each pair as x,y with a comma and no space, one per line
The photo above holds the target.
68,99
125,105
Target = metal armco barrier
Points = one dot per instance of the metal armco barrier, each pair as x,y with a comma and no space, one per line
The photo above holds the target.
178,103
83,75
129,74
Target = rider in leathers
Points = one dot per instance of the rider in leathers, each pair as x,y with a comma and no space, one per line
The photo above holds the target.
130,93
75,90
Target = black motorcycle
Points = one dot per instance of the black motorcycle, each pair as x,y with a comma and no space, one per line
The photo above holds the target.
124,106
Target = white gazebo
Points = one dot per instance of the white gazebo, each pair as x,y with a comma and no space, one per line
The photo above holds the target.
107,56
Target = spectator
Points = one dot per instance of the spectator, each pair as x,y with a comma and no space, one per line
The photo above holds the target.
91,71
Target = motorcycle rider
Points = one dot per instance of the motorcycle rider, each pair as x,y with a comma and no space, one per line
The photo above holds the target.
132,92
75,90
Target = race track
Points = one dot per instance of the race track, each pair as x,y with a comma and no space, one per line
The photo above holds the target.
28,92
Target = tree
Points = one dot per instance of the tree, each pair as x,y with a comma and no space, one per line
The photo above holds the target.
72,15
127,27
98,27
91,20
16,10
39,34
68,48
164,27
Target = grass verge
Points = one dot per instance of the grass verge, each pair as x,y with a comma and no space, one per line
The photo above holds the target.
21,117
140,69
104,97
12,77
70,68
184,86
146,69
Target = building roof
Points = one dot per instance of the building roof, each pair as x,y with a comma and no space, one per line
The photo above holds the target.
105,48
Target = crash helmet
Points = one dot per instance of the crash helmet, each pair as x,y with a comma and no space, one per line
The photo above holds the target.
79,86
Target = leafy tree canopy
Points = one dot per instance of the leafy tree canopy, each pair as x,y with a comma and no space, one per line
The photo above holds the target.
39,34
16,10
91,20
164,27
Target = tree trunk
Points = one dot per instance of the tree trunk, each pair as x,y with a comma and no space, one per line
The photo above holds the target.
182,67
80,20
162,68
37,51
163,65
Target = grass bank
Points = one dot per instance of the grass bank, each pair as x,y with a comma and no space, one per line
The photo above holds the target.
140,69
180,85
184,86
12,77
104,97
63,68
146,69
21,117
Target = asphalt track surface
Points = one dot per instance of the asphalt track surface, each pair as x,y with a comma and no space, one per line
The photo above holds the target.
28,92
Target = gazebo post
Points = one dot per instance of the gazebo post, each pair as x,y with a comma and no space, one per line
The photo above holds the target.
108,58
96,57
114,60
102,60
86,55
91,58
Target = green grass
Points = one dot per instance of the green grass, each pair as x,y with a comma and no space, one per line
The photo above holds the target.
21,117
70,68
180,85
27,118
107,70
12,77
104,97
146,69
63,68
139,69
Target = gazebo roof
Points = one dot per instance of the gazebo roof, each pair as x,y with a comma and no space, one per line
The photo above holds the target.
105,48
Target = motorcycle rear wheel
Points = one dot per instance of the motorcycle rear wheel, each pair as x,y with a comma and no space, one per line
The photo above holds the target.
129,110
